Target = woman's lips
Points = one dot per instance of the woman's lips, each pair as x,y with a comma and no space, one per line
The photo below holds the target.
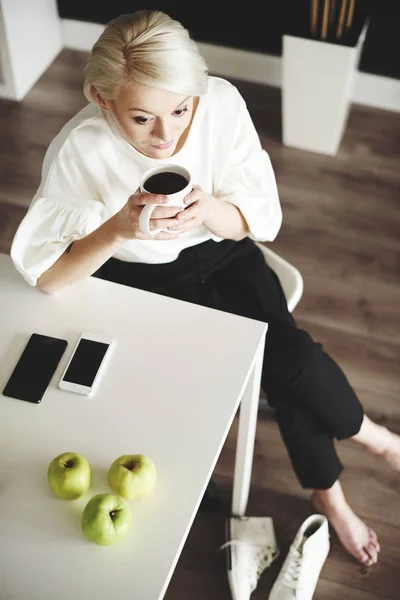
164,146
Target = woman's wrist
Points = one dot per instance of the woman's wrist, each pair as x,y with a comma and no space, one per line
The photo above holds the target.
211,210
113,232
226,220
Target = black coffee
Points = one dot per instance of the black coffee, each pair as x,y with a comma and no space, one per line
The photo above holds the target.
165,183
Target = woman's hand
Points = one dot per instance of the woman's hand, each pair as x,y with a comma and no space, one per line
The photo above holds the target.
199,211
126,221
220,217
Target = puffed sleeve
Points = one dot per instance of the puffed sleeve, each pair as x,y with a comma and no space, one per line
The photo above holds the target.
248,181
64,209
45,233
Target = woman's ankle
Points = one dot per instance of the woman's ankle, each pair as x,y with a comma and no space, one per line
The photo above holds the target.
331,499
372,436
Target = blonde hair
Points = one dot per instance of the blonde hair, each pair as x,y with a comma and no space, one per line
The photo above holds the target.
146,47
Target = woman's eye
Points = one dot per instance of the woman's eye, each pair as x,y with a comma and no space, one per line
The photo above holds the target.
142,120
146,120
180,111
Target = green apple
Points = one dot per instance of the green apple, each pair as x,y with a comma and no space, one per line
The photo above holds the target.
69,475
132,476
106,519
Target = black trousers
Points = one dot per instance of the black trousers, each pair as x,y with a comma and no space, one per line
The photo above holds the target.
314,403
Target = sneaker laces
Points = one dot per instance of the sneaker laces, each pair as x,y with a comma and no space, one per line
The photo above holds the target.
292,572
256,568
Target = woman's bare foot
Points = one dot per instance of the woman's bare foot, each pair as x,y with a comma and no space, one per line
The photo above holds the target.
357,538
379,441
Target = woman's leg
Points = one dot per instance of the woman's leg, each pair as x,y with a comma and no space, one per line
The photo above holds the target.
297,372
313,400
358,539
379,441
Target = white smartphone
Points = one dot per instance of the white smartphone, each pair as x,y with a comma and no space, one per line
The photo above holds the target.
86,365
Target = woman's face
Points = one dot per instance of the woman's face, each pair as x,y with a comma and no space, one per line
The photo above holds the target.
152,120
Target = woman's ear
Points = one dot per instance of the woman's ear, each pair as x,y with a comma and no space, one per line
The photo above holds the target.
100,100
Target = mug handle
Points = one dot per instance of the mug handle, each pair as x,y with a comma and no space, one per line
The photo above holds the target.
144,219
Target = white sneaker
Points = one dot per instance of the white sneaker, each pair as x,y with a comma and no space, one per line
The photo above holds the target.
251,548
299,574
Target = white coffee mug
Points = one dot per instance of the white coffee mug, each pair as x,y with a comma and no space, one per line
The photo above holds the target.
174,199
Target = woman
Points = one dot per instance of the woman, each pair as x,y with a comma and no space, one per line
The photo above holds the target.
152,101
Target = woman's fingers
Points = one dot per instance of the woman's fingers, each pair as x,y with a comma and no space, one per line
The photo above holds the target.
163,235
165,212
185,225
180,220
163,224
142,198
186,219
193,195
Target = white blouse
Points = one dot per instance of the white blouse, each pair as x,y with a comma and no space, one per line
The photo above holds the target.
90,170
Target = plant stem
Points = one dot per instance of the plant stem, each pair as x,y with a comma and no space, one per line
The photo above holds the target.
332,17
325,20
314,15
350,16
339,31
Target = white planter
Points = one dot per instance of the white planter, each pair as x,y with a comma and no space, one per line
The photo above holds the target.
316,91
30,39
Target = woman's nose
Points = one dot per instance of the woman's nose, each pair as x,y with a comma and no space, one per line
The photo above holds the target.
161,131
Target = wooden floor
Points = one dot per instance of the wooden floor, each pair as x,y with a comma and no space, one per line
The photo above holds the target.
342,230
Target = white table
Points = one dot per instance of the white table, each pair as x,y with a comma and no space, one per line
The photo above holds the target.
172,388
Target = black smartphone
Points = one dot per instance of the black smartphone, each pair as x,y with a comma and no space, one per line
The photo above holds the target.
35,368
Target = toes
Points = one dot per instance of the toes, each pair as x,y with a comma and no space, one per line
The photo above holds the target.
363,557
372,551
373,538
372,534
368,555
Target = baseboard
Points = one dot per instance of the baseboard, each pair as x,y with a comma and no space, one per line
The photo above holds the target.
369,90
377,91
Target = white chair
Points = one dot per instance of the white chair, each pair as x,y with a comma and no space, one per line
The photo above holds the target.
290,278
292,285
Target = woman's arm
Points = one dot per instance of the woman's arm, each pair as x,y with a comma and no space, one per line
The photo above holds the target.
245,200
243,174
226,220
87,255
83,258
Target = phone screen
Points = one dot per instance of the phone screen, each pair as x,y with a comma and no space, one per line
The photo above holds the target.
35,368
86,362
